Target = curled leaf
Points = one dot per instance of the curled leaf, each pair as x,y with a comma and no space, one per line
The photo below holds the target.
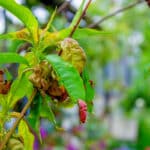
23,35
73,53
82,110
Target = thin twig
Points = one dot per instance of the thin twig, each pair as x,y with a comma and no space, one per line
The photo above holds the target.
83,13
63,6
115,13
8,135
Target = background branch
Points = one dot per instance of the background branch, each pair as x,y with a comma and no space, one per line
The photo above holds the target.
115,13
64,6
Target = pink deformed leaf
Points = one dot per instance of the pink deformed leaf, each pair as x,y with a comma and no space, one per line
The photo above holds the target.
82,110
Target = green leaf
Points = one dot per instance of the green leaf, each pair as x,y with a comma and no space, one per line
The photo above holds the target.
51,39
34,116
6,58
50,20
3,103
40,108
46,111
31,58
77,15
143,130
68,76
23,35
24,132
87,32
88,89
24,14
21,87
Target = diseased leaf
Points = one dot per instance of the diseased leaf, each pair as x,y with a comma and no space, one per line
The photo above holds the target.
23,35
68,76
51,38
21,87
24,132
15,143
6,58
24,14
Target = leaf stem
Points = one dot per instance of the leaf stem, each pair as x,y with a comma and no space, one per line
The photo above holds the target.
78,21
8,135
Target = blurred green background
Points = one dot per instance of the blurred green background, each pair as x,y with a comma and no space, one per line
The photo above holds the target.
118,63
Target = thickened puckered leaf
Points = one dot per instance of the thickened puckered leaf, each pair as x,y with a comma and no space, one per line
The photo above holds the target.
88,89
68,76
15,143
24,14
24,132
21,87
6,58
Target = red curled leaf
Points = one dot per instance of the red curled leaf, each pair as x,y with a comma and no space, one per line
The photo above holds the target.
82,110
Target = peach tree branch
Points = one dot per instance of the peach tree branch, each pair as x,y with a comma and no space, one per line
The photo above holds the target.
115,13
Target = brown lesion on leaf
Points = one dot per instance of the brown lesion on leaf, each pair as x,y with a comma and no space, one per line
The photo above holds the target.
45,79
4,84
23,34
